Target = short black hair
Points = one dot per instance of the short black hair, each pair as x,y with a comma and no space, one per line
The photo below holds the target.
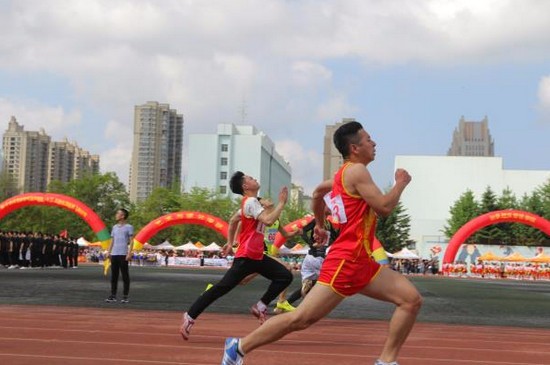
345,135
125,212
236,183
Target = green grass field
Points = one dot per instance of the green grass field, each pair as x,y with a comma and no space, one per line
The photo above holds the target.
461,301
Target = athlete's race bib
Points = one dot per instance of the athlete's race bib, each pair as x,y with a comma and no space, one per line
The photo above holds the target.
336,206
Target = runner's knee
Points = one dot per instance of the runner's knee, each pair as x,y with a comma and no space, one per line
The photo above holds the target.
286,277
299,322
413,302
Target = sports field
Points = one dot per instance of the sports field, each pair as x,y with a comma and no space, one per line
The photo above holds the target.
58,316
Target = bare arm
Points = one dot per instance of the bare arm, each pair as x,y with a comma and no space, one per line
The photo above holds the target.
359,181
270,218
287,234
318,206
130,248
232,230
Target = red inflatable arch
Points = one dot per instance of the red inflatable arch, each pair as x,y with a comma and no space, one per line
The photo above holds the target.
378,253
185,217
58,200
499,216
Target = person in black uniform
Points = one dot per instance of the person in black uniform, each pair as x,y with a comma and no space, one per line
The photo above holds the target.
15,247
311,266
36,250
4,246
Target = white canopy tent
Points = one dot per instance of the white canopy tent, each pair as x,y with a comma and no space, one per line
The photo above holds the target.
164,246
212,247
283,250
303,251
187,247
81,242
406,254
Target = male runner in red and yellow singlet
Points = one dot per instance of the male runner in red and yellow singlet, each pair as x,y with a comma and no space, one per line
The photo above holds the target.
349,267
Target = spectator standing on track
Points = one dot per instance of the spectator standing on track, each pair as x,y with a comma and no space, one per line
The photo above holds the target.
120,252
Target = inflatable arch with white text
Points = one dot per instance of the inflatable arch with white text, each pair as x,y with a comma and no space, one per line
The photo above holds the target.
487,219
62,201
184,217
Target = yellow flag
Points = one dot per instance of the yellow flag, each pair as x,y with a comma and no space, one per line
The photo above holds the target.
137,246
105,244
106,266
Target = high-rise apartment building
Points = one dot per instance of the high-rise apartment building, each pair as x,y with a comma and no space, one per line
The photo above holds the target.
213,158
156,155
68,161
332,159
472,139
33,160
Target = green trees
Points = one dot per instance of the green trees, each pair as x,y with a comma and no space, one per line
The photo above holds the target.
467,208
163,201
393,231
463,210
8,186
104,193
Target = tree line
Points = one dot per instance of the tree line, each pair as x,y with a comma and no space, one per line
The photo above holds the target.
467,207
104,193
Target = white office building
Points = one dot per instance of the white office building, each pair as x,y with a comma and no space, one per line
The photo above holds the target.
213,158
438,182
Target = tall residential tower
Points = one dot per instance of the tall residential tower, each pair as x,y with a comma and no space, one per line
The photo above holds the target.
156,155
33,160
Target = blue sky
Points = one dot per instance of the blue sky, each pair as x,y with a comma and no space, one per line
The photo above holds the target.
408,70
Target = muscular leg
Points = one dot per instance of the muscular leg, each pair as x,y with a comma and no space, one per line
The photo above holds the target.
279,275
393,287
319,302
236,273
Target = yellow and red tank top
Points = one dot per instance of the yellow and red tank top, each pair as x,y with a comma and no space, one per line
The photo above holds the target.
356,218
251,237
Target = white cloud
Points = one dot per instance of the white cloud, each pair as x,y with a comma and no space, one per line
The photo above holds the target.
117,159
544,98
306,73
335,109
204,57
306,164
34,115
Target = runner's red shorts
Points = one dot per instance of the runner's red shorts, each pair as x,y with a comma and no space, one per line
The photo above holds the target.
347,277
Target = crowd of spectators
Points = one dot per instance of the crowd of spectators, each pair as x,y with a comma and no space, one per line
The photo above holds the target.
153,257
499,269
25,250
415,266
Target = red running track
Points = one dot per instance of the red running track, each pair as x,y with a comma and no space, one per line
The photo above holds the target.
67,335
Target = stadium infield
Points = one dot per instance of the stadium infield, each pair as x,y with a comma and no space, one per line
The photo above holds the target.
59,316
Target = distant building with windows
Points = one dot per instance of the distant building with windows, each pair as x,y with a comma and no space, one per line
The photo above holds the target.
68,161
332,159
213,158
158,145
472,139
33,160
